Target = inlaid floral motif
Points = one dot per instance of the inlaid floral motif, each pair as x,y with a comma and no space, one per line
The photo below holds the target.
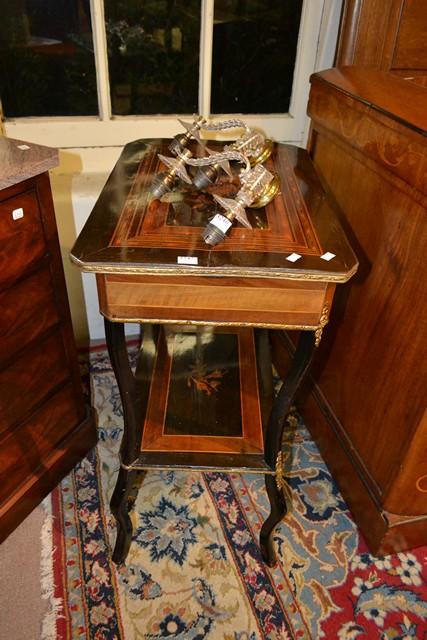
203,381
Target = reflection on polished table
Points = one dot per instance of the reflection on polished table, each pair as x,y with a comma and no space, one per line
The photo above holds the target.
201,396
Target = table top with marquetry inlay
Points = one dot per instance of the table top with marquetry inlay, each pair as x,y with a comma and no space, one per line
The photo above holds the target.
297,236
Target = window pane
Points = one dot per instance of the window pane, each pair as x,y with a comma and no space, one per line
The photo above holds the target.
254,51
153,52
47,62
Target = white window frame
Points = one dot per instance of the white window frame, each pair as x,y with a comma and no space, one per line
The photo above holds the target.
319,21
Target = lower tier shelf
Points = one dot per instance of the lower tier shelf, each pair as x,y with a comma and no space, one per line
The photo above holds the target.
197,461
205,396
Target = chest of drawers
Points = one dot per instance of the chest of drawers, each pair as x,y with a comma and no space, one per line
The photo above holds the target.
45,426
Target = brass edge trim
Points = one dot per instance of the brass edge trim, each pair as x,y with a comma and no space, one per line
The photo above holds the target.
128,467
280,480
408,520
324,319
213,271
222,323
137,467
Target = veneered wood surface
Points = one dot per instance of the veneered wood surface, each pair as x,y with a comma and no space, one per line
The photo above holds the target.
50,232
244,301
413,474
385,34
381,347
60,460
362,103
41,399
411,41
156,434
23,242
363,32
373,371
403,535
22,450
36,374
128,232
28,310
383,531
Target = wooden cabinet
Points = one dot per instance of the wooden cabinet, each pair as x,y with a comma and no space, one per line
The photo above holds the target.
45,427
368,406
386,34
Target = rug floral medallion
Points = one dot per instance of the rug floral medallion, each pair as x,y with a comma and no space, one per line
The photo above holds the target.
194,569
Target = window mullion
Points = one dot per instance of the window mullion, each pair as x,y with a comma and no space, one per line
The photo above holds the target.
311,18
101,58
205,66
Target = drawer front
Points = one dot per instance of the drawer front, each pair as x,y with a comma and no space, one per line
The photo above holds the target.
30,379
247,302
23,452
22,241
27,310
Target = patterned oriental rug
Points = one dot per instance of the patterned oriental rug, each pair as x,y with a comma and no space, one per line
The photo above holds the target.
194,569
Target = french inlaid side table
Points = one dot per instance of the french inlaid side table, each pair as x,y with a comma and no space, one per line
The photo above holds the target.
201,396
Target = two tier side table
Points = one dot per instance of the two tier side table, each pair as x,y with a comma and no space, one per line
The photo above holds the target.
201,396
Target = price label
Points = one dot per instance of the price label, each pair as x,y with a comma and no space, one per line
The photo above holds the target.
187,260
221,222
328,256
293,257
18,213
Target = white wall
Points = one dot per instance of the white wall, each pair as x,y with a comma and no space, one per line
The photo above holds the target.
76,185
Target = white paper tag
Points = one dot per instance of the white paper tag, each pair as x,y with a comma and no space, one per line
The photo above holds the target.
293,257
221,222
328,256
187,260
23,147
18,213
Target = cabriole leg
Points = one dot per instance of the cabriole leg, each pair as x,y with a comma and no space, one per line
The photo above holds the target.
129,449
273,441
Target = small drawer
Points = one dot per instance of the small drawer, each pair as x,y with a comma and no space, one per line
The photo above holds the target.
231,300
30,379
22,241
24,451
28,309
